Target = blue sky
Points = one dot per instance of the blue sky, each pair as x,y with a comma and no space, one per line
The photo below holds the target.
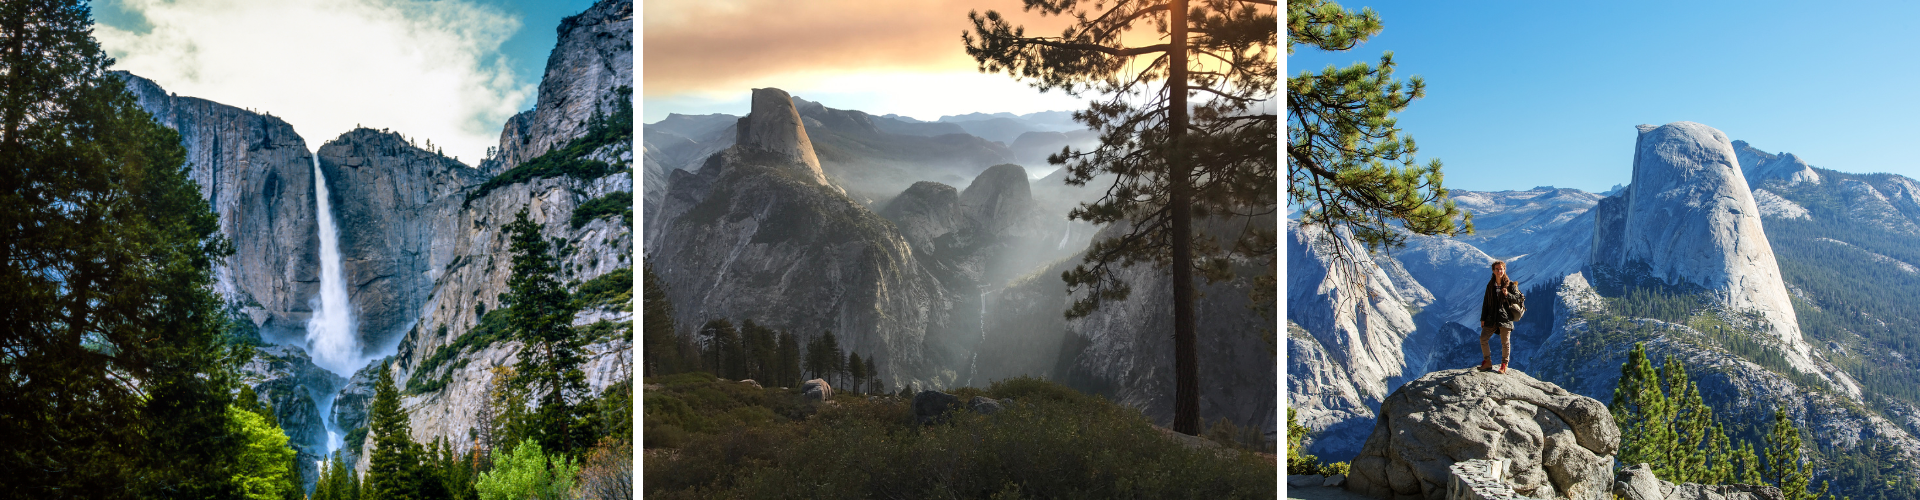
446,71
1523,94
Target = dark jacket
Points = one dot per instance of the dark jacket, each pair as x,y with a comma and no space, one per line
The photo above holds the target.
1492,310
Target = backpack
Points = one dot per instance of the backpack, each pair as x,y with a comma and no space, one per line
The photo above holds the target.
1516,306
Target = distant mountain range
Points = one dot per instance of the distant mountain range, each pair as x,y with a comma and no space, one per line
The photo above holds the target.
1779,284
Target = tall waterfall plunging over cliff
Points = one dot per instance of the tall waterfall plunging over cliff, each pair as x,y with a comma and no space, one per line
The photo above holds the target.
330,337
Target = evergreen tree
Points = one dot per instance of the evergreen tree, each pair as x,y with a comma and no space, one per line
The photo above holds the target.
1692,426
1348,164
789,374
856,371
1171,160
659,343
393,469
1644,415
832,360
873,377
721,338
1748,465
540,313
1784,467
762,350
114,381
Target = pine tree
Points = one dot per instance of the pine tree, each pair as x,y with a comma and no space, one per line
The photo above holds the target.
115,381
1784,467
1644,415
856,371
1748,468
660,345
832,360
540,313
873,377
789,374
1348,163
1172,160
762,350
393,469
723,341
1692,426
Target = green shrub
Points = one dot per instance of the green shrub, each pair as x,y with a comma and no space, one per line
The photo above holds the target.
527,473
567,160
1050,443
615,287
611,204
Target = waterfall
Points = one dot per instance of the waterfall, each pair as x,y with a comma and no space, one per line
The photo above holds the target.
330,331
973,367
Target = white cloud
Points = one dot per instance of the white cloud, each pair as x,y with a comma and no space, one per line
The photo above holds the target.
431,70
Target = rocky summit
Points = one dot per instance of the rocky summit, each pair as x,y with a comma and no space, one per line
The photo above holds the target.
773,127
1689,222
1559,444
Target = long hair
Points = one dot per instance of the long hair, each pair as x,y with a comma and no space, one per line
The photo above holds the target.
1500,278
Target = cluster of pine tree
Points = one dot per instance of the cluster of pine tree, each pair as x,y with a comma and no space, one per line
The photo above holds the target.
522,449
1664,423
118,366
749,351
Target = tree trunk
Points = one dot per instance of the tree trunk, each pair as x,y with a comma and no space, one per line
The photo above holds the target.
1186,369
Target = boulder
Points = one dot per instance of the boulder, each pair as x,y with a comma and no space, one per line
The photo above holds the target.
983,405
1559,444
932,406
1639,483
755,385
816,391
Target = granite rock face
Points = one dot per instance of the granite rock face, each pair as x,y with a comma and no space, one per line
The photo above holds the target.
757,235
258,176
1689,222
1761,168
773,128
1559,443
398,210
592,58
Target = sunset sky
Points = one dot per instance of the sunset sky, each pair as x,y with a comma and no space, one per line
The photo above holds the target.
902,57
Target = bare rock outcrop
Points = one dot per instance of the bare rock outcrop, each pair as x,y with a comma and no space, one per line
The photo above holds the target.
1559,443
774,128
592,58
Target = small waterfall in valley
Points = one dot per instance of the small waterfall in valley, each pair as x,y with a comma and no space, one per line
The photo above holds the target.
973,367
331,341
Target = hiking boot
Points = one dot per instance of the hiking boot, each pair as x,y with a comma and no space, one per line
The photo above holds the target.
1503,367
1486,364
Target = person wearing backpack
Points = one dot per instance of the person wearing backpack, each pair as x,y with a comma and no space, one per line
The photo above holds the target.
1499,308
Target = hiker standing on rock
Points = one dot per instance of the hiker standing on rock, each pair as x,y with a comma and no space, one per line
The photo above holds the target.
1495,318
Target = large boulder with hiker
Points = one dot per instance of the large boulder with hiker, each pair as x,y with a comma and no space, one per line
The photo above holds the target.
1559,444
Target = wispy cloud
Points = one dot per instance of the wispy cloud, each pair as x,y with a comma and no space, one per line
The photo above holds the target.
428,69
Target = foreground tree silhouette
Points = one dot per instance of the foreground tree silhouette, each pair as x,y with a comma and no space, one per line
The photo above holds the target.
1173,161
1348,165
113,380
